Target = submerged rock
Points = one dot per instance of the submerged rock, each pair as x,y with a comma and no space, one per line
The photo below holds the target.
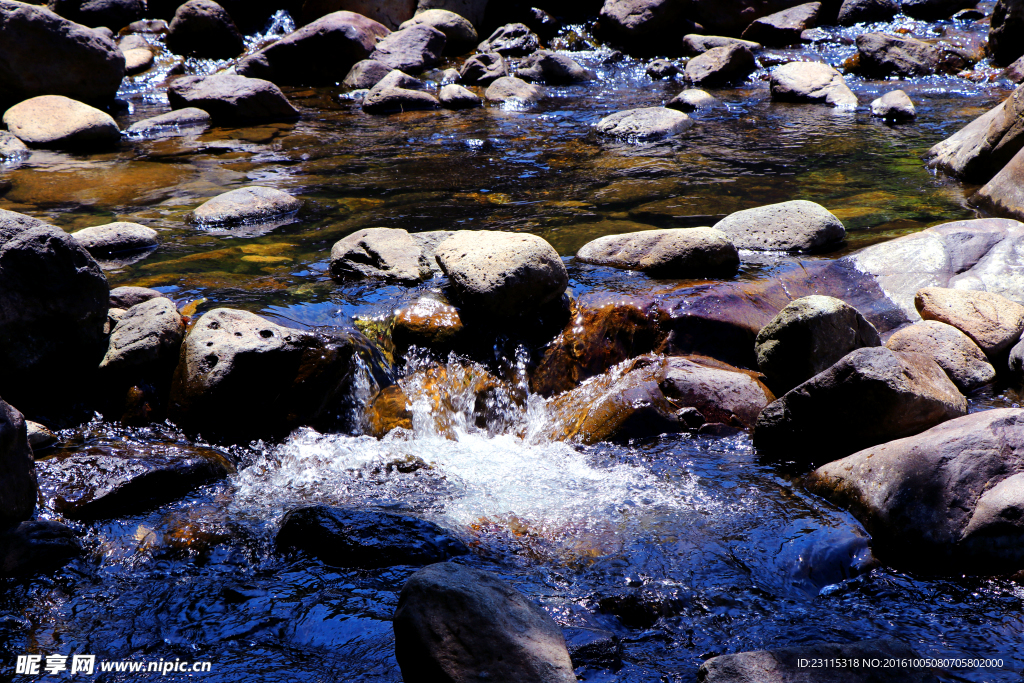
721,65
460,36
57,121
245,205
231,99
511,40
882,55
674,253
650,122
204,29
815,82
512,89
454,623
992,321
115,238
895,105
553,69
483,69
808,336
953,350
412,49
38,546
18,483
178,122
946,501
881,394
784,28
385,253
796,225
367,539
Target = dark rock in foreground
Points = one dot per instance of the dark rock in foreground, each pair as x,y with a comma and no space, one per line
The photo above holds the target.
114,14
367,539
17,473
202,28
36,547
1004,194
454,624
1004,38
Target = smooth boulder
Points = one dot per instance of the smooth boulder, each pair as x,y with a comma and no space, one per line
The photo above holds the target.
954,351
204,29
720,65
455,623
514,90
992,321
380,253
671,253
511,40
553,69
797,225
881,395
410,50
253,204
814,82
398,92
693,99
881,56
649,122
894,106
367,539
454,96
18,487
808,336
115,238
460,36
501,274
365,74
126,297
784,28
57,121
231,99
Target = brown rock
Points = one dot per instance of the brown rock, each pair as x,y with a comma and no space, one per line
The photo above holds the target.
992,321
426,322
953,350
881,56
56,121
1004,194
720,65
202,28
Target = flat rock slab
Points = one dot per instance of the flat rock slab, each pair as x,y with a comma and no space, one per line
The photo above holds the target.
814,82
384,253
178,122
992,321
57,121
650,122
115,238
796,225
367,539
117,481
674,253
245,205
231,99
954,351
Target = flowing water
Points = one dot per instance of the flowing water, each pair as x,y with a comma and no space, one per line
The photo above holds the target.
684,547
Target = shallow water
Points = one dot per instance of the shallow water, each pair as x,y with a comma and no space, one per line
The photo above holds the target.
730,551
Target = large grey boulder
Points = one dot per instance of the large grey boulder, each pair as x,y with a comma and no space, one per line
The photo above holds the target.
649,122
398,92
483,69
202,28
242,377
1004,194
946,501
815,82
553,69
116,238
514,90
671,253
721,65
501,273
984,146
390,13
231,99
18,487
784,28
992,321
881,56
114,14
1004,43
954,351
460,36
253,204
382,253
797,225
53,305
808,336
320,53
870,396
454,623
145,343
44,54
511,40
411,50
57,121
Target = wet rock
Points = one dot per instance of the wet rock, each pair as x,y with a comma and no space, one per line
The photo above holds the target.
365,538
553,69
784,28
113,13
57,121
398,92
946,501
145,344
320,53
245,205
692,100
137,61
784,665
808,336
642,608
454,96
390,409
894,106
867,11
593,647
454,623
483,69
811,82
44,54
512,89
650,122
501,274
984,146
449,76
231,99
1003,194
380,253
37,547
39,437
460,36
204,29
1004,44
695,44
961,358
672,253
11,147
428,323
133,41
126,297
661,68
881,394
511,40
411,50
116,481
17,473
365,74
643,25
796,225
992,321
179,122
881,56
115,238
53,305
652,395
933,10
390,13
1015,72
720,65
